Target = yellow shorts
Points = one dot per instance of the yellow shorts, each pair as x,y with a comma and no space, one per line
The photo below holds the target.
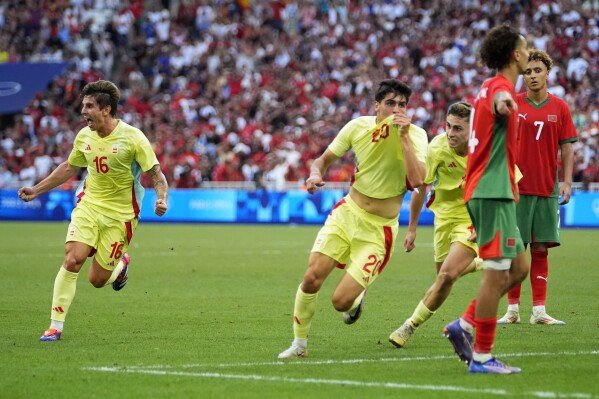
108,237
449,231
362,243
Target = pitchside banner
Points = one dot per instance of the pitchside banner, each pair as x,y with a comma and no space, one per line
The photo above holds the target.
260,206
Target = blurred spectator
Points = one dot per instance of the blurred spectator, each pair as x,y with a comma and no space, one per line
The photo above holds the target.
253,91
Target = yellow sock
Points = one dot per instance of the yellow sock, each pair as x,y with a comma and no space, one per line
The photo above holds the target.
115,273
303,310
65,286
420,315
357,301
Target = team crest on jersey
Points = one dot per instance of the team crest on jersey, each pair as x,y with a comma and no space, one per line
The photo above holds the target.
115,149
552,118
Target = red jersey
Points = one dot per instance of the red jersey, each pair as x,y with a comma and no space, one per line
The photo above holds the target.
492,146
542,129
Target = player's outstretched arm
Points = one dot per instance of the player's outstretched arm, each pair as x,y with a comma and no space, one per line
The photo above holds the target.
416,203
317,170
504,104
61,174
565,188
161,187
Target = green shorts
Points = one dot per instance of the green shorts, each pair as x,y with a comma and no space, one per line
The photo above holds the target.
361,242
538,219
108,237
497,232
448,231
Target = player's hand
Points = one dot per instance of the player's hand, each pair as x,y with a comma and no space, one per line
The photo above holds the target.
27,194
565,191
160,207
409,243
313,183
403,121
506,106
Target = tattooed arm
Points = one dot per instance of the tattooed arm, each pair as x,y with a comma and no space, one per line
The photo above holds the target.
161,187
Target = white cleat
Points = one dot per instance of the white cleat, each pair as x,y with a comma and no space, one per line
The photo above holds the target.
294,351
400,336
511,317
544,318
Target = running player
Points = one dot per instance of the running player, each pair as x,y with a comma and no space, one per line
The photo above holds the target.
109,199
455,251
360,232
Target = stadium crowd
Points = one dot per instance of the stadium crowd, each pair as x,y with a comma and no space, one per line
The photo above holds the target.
252,90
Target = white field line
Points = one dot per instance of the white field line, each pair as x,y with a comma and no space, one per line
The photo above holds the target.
362,384
304,362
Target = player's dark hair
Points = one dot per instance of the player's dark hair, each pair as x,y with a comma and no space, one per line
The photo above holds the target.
104,92
540,55
461,109
392,86
498,45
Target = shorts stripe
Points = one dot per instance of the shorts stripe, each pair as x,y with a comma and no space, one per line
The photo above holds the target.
134,201
129,231
388,244
338,204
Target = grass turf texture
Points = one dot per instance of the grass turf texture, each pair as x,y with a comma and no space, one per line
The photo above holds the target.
208,308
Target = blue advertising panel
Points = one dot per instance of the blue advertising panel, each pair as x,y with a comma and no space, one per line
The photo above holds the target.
19,82
582,210
260,206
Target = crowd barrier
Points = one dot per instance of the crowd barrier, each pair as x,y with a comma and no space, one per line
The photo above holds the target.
259,206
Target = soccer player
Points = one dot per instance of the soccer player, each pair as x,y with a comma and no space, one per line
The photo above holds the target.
109,199
545,124
455,251
359,234
491,193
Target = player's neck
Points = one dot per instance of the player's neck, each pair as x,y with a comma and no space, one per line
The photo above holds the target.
538,96
461,151
510,73
108,127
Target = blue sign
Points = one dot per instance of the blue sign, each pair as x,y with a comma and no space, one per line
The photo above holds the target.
582,210
19,83
260,206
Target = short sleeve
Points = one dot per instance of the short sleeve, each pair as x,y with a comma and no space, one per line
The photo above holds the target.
342,142
144,154
432,162
77,157
567,133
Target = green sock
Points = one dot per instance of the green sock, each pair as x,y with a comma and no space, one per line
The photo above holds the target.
420,315
303,310
65,286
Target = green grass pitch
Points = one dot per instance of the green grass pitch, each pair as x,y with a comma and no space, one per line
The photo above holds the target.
208,307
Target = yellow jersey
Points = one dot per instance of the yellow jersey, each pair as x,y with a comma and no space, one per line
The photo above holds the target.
445,170
114,165
380,170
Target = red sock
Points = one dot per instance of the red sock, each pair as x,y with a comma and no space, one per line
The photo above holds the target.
468,315
485,335
513,295
539,270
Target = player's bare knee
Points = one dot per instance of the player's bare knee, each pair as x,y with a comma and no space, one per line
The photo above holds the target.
311,283
96,282
71,263
342,304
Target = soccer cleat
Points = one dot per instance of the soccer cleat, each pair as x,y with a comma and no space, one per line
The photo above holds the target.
353,315
460,339
544,318
400,336
510,317
51,334
121,280
294,351
492,366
